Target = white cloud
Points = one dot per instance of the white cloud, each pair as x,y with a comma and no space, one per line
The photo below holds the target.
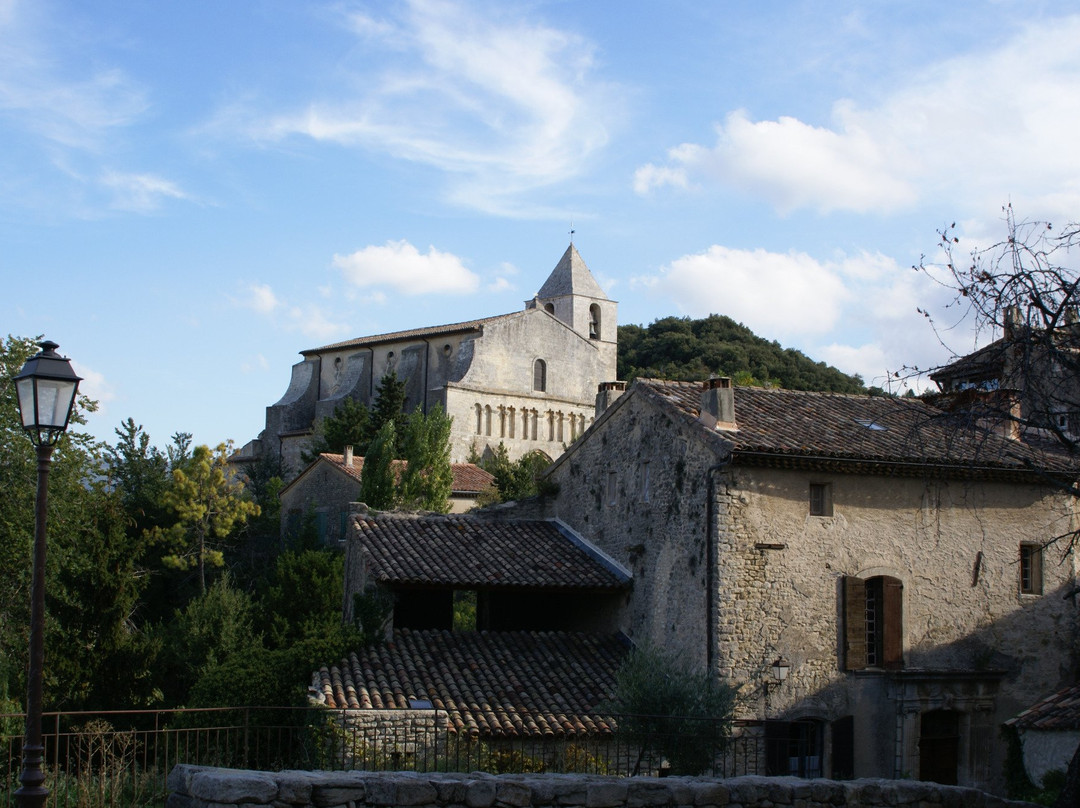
94,386
778,294
262,298
500,284
140,193
971,130
500,103
256,363
401,267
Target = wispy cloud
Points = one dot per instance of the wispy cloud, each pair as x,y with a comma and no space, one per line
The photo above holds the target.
303,318
398,265
49,92
971,129
500,103
141,193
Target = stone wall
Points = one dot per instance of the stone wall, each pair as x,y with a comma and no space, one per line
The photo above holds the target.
202,787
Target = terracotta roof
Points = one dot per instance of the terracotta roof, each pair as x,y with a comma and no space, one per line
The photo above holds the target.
486,553
873,429
986,362
410,334
506,683
1059,711
469,478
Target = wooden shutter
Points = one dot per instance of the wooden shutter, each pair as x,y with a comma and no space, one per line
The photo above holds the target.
854,623
893,618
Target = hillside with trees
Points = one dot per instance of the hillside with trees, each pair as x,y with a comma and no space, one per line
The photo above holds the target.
682,349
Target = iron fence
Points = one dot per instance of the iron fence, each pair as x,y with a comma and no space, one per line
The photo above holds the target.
122,758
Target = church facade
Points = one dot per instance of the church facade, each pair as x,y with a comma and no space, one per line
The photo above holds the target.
527,379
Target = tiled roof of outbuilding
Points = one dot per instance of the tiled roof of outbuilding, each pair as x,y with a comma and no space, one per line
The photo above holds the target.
469,478
507,683
480,553
1058,711
875,429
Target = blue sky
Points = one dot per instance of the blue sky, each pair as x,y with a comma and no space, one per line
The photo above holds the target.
191,193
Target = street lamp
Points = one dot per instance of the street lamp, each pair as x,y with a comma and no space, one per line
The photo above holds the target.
46,388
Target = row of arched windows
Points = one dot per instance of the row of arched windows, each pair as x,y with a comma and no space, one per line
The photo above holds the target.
527,423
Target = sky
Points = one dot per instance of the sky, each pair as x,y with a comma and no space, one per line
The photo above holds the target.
192,193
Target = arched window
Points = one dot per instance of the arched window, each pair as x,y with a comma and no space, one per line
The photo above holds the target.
479,419
594,321
540,376
549,308
873,623
487,421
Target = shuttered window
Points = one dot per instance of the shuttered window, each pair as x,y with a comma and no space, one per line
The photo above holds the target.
873,623
1031,569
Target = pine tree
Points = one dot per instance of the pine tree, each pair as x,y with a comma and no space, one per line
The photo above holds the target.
377,487
428,478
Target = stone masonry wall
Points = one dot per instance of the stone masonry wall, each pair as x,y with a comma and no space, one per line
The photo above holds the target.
202,787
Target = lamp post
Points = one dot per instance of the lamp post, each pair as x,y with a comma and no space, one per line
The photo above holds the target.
46,388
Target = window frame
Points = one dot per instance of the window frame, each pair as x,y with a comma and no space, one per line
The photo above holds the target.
820,499
1030,579
539,376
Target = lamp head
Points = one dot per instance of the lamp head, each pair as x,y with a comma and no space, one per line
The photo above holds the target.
46,388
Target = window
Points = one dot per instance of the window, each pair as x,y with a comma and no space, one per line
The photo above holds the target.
594,321
820,499
540,376
793,748
873,623
1031,569
549,308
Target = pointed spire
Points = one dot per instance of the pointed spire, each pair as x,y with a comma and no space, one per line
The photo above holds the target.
571,277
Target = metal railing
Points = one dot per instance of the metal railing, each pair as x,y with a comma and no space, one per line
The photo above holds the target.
122,758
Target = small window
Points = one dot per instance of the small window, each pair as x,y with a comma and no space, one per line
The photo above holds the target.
821,499
594,321
1031,569
540,376
549,308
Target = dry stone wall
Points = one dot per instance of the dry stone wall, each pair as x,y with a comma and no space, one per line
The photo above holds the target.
201,787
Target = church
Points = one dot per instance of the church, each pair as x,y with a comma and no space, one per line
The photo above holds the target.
527,379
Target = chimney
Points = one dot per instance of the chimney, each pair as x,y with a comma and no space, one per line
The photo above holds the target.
718,403
348,456
606,393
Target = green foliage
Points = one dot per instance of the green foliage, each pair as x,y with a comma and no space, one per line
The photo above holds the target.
683,713
514,479
389,407
303,597
208,505
210,630
371,610
427,479
350,425
377,487
683,349
465,610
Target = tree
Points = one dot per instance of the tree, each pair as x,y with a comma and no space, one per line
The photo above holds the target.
377,487
208,506
685,714
1025,291
350,424
428,478
514,479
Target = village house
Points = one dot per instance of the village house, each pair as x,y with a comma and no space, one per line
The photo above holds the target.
325,489
897,561
525,379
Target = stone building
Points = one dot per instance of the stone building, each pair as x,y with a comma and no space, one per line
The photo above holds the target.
896,560
326,488
525,379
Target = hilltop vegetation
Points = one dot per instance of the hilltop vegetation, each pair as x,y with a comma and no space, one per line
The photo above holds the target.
679,348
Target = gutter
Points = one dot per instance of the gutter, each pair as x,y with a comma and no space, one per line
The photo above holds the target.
712,547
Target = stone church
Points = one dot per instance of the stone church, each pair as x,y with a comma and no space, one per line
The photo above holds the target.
526,379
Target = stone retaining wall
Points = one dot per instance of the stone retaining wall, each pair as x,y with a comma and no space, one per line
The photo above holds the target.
203,787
